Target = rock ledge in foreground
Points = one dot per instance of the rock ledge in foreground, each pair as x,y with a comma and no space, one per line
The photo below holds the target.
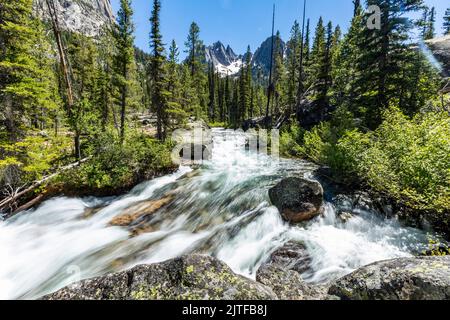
424,278
191,277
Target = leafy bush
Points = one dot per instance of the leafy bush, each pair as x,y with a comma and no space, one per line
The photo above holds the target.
116,167
31,158
407,159
290,141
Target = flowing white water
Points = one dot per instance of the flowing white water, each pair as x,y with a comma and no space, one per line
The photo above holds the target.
221,209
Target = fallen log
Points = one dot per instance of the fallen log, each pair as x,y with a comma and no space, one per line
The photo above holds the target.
4,204
28,205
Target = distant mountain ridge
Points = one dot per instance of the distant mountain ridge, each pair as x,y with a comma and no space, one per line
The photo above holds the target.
227,62
224,59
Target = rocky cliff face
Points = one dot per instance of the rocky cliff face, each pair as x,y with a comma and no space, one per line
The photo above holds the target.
224,60
261,59
82,16
440,48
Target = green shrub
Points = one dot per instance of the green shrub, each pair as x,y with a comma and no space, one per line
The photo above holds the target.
290,140
408,159
117,167
31,158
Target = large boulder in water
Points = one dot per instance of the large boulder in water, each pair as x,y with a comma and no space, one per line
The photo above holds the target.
424,278
189,277
298,199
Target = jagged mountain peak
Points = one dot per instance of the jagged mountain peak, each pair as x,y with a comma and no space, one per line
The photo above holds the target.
261,58
225,61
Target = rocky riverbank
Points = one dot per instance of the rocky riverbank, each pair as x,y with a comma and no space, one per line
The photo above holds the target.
201,277
298,200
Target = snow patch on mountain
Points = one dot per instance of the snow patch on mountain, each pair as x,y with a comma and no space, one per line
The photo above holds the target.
224,60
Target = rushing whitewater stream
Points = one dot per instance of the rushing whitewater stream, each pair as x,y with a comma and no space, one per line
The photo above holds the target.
221,208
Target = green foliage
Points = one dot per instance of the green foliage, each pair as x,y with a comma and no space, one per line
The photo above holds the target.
27,82
124,58
408,159
436,248
31,158
290,141
160,93
446,25
119,167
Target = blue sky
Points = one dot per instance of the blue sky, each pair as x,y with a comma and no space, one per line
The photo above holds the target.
240,22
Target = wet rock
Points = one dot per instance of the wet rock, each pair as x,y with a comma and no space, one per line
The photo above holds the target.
292,256
195,153
424,278
289,285
298,199
189,277
345,217
90,212
133,213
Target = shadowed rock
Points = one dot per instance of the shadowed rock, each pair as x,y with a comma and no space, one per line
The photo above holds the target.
298,199
424,278
292,256
191,277
289,285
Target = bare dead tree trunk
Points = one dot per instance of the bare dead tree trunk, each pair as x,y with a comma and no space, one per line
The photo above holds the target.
65,70
62,54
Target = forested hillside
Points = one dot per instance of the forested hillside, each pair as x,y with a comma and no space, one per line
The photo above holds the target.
365,103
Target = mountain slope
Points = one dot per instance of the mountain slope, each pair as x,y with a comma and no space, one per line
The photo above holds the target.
261,58
82,16
224,60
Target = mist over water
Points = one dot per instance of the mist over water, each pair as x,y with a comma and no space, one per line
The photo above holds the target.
221,208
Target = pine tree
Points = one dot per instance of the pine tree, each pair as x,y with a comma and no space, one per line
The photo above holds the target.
344,70
379,58
25,69
326,68
447,22
195,61
307,56
294,48
318,60
249,84
212,83
175,112
159,92
245,82
104,78
124,58
194,48
357,5
279,75
430,25
423,22
228,99
234,107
